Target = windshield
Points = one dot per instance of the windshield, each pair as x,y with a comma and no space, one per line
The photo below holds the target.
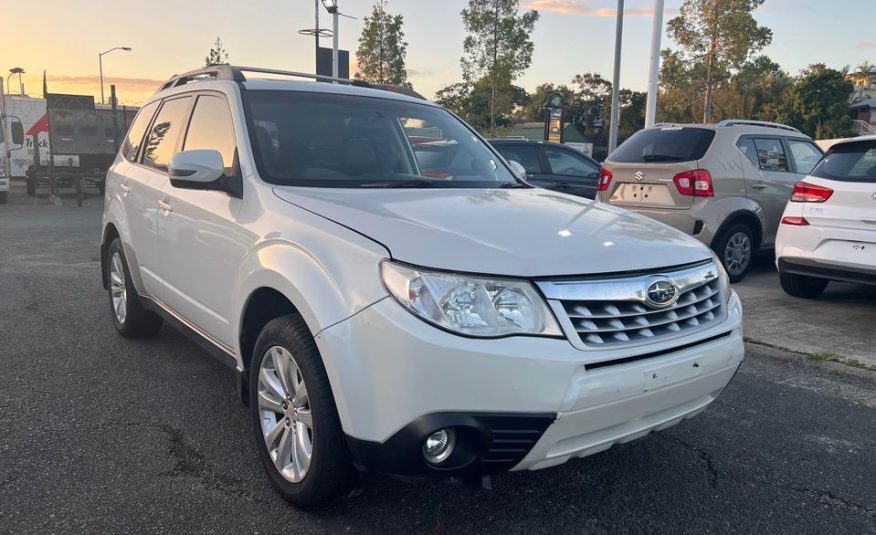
668,144
342,141
849,162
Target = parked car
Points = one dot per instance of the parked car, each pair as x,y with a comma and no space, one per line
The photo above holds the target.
552,165
726,184
828,230
381,317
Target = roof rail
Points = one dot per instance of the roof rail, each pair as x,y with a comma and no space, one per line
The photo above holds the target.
236,73
766,124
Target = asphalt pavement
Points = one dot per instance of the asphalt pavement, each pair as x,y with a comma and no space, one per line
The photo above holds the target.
99,434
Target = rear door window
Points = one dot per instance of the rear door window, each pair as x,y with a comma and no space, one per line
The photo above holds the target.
525,155
134,139
164,135
805,153
564,163
771,154
849,162
669,144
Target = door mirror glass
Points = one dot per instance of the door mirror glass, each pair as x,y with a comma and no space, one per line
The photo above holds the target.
17,133
518,170
196,169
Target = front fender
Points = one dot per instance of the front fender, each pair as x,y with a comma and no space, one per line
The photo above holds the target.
325,288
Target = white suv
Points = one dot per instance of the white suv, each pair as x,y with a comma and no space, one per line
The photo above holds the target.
828,230
391,295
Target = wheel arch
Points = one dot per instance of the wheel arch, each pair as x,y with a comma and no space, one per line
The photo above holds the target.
747,217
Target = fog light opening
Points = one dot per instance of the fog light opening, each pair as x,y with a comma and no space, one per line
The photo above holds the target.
439,445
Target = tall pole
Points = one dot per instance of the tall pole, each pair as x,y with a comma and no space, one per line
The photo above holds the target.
654,72
316,33
335,42
100,61
615,85
7,164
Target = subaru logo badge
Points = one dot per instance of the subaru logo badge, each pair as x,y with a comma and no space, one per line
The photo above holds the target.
661,293
639,176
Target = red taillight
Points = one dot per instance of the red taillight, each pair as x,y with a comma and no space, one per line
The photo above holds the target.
605,177
793,220
805,192
696,183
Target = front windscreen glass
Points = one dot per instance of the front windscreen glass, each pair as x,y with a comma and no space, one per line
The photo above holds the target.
343,141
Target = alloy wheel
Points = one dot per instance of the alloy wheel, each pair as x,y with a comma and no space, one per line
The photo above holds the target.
284,413
737,253
118,289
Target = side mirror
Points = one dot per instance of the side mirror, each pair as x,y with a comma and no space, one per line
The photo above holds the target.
17,132
518,170
203,170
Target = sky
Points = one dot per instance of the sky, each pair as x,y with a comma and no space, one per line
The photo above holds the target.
571,36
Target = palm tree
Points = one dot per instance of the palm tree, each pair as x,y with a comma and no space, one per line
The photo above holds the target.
863,76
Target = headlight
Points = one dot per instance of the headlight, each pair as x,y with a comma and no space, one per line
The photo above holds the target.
725,279
473,306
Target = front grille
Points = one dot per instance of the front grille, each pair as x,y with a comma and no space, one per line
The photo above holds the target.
615,312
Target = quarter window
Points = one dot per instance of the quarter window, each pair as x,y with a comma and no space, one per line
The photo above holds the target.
134,139
563,163
746,145
805,155
164,135
211,128
771,154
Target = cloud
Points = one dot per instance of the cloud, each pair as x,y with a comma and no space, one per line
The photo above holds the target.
418,72
130,84
865,45
582,7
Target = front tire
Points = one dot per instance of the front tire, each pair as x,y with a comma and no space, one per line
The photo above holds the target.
735,248
297,429
129,317
802,286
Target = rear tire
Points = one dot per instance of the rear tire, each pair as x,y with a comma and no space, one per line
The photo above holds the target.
129,317
735,247
30,186
802,286
299,412
4,197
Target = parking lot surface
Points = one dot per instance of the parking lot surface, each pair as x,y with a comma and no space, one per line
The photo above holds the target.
99,434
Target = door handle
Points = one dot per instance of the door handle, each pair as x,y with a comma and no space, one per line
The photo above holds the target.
759,185
166,206
125,189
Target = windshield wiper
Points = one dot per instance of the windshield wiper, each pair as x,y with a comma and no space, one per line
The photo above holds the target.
415,183
662,158
514,185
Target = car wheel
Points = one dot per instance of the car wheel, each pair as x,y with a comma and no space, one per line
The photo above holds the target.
30,186
802,286
129,316
735,248
297,428
4,197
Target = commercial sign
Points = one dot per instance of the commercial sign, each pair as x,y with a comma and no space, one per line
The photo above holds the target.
553,118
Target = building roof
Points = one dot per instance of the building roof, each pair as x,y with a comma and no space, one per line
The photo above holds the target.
868,103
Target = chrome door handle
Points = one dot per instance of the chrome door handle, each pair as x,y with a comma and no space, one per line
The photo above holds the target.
166,206
125,189
759,185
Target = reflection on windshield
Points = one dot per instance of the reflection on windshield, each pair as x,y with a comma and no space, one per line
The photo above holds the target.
330,140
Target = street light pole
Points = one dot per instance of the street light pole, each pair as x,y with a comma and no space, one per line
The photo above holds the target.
19,71
332,7
654,72
100,62
615,85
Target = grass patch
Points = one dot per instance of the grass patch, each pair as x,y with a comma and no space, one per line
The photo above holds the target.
817,357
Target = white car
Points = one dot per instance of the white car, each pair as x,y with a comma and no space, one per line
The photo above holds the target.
828,230
392,296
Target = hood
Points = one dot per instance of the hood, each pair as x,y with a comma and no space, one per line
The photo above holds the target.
515,232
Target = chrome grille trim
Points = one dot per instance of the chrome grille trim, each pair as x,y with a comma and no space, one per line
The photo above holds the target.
614,312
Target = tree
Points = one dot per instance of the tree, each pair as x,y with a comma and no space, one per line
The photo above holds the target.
720,35
817,103
862,77
474,102
498,47
218,55
382,48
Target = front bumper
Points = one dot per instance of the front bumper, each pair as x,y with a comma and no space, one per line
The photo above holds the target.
520,402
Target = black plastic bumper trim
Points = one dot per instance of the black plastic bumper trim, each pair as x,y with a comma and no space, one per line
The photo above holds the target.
486,442
654,354
812,268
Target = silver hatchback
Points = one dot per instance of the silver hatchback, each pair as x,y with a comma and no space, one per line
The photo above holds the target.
726,184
